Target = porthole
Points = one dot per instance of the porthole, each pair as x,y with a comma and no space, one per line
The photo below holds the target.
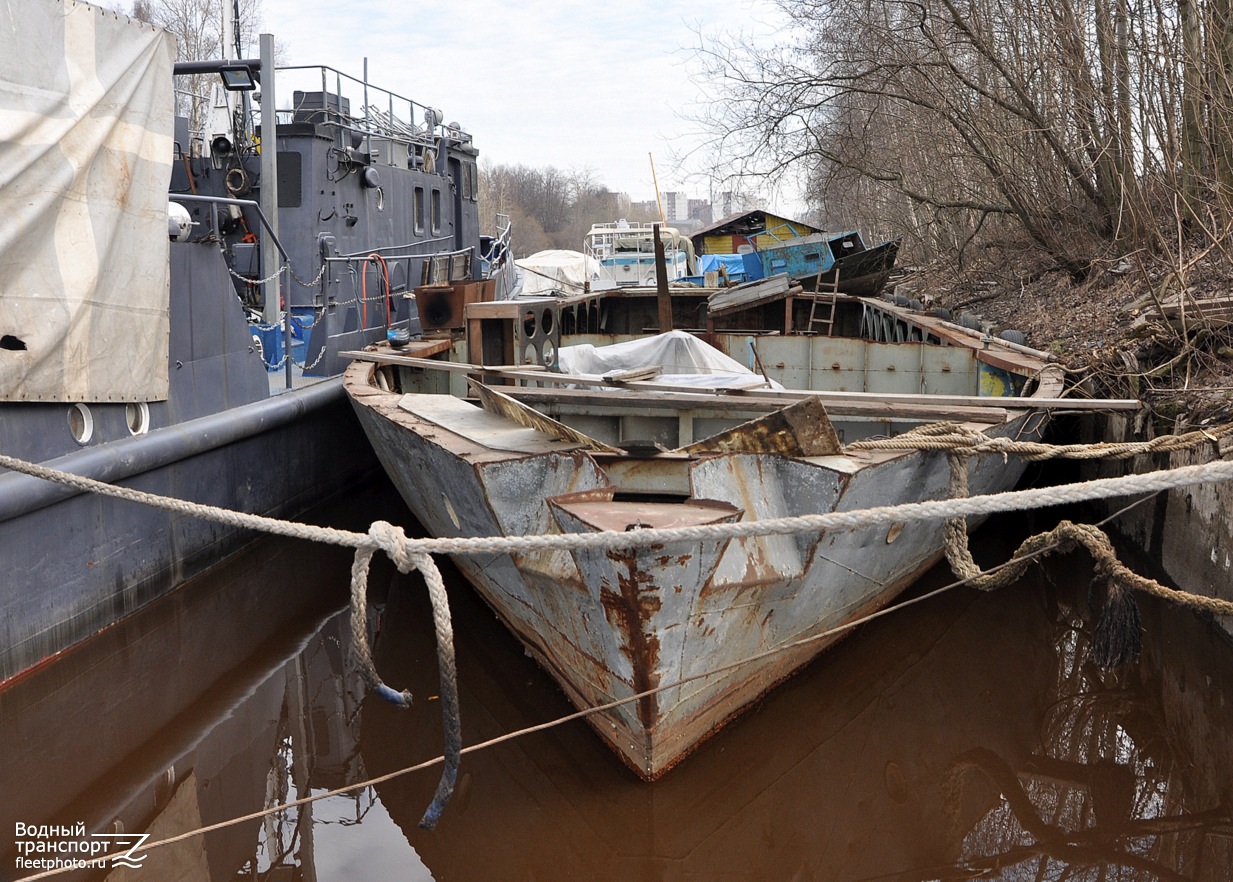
137,414
81,423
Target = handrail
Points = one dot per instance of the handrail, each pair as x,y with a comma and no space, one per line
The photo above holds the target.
243,203
367,251
382,122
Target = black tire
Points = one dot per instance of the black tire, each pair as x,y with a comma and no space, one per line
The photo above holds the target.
969,321
942,312
1017,337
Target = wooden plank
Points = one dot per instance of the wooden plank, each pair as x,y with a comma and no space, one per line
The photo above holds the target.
513,409
457,367
619,401
1010,403
747,295
629,374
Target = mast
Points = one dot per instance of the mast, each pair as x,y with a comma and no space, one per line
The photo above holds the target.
658,199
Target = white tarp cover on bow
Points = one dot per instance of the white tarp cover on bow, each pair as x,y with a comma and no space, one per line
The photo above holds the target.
86,112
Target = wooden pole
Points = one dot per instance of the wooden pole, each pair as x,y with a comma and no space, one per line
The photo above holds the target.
661,283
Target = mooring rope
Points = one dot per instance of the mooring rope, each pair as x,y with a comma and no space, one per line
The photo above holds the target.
1116,638
392,541
1203,474
953,436
933,509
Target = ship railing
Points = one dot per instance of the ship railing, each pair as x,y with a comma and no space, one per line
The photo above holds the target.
380,112
499,248
498,258
194,106
435,267
240,203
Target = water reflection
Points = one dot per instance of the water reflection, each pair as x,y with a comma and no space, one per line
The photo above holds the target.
969,738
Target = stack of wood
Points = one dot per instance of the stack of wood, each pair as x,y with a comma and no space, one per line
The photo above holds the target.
738,297
1207,311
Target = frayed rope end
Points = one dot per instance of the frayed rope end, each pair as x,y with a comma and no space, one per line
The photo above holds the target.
445,789
402,699
1117,638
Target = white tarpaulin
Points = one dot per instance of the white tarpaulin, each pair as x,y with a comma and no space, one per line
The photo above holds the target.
85,160
557,270
683,359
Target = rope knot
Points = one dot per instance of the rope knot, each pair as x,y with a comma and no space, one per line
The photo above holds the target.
393,541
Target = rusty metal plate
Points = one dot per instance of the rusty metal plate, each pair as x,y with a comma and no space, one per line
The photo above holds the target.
801,429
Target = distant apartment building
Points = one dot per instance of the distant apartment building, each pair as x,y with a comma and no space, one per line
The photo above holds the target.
676,206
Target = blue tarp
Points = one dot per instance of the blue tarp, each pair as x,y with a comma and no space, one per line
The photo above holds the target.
739,267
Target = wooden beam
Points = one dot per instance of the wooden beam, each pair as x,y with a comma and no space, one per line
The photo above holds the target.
661,284
615,402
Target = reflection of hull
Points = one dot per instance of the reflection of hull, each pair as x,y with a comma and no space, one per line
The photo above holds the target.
178,708
840,775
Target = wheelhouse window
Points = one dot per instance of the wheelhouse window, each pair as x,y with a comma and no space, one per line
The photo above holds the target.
436,211
419,209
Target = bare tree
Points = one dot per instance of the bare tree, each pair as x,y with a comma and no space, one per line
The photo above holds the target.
1061,126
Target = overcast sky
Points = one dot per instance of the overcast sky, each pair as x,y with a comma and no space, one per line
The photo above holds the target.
541,83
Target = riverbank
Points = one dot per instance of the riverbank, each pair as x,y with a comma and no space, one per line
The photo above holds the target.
1137,328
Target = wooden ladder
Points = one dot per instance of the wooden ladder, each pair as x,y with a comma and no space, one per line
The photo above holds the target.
818,320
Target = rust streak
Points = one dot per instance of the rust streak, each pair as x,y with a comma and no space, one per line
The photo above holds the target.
627,611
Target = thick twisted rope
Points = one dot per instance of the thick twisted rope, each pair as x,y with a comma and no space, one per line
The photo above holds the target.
933,509
953,436
411,554
393,542
1116,638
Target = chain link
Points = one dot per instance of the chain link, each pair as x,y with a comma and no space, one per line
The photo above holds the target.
303,284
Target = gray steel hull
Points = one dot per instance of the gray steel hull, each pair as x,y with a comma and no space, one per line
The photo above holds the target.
610,625
79,562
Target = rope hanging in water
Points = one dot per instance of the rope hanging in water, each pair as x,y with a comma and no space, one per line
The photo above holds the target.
1117,637
393,542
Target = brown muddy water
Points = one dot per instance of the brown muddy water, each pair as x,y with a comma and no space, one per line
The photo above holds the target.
966,737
